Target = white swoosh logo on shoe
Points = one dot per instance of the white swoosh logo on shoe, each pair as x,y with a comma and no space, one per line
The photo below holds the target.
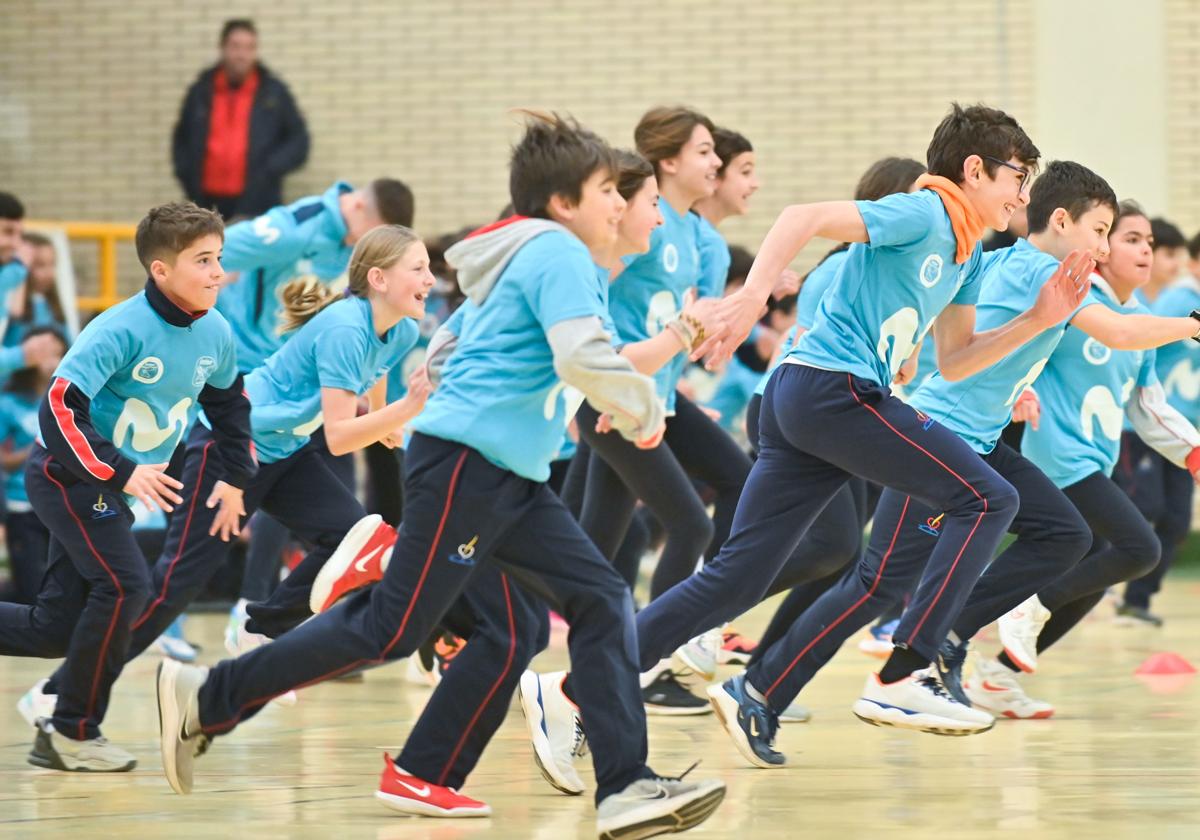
361,565
422,792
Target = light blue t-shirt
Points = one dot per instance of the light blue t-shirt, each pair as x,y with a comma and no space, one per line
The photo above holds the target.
979,407
338,348
890,289
714,258
649,292
143,375
1178,363
815,285
305,237
1083,391
18,427
499,393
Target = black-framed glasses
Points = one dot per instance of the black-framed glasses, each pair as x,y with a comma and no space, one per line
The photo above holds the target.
1014,168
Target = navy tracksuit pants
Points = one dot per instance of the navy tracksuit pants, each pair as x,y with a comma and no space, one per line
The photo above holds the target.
94,588
300,491
818,428
462,514
505,627
1163,492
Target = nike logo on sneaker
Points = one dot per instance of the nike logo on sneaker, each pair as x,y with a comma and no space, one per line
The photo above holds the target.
361,565
754,726
422,792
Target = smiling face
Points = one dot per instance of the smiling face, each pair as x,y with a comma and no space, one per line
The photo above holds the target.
1130,255
639,220
693,171
996,197
596,217
1087,233
405,285
193,279
737,183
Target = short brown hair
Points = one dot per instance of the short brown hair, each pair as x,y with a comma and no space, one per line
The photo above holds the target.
663,131
170,228
632,172
556,156
887,176
978,130
393,201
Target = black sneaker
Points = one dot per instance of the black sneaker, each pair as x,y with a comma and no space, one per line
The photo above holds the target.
667,696
1129,614
949,664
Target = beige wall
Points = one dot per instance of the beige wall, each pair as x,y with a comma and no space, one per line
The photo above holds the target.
89,89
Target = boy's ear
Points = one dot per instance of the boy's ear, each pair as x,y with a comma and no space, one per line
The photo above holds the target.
973,171
159,269
1059,219
560,208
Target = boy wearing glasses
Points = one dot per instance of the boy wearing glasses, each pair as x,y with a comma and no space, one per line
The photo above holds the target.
828,414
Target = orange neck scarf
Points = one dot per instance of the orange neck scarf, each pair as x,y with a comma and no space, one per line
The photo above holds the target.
964,219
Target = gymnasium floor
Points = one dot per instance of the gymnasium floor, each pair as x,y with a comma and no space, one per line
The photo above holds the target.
1119,759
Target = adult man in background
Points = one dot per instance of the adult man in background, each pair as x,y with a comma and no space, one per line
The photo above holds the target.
239,131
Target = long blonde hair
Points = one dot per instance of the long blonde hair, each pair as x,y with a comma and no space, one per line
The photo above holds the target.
304,297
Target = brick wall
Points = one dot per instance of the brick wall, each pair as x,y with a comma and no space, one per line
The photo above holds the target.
1183,113
89,89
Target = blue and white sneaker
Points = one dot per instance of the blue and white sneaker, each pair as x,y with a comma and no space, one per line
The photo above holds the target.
949,664
751,725
918,702
171,643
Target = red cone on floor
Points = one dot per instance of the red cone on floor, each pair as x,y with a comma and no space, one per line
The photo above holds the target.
1165,663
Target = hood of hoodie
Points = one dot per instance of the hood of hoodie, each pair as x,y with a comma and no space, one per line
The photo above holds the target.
481,258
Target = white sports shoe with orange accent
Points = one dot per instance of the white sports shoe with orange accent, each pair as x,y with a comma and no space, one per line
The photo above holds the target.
995,688
359,560
1019,629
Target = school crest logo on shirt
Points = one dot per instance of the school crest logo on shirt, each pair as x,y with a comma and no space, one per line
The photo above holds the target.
205,366
149,370
670,258
931,271
1095,352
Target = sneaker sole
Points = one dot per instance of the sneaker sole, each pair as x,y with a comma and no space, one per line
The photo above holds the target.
340,560
688,665
417,808
726,709
876,715
530,709
169,721
1019,660
683,816
1046,714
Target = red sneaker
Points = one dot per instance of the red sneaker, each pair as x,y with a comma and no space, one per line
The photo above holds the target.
735,648
360,560
410,795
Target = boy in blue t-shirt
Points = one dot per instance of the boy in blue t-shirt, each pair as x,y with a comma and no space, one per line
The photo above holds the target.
119,403
477,509
828,414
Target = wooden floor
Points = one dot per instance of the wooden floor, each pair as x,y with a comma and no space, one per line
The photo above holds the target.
1120,759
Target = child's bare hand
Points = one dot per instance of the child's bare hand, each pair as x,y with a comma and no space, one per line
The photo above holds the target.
150,484
227,522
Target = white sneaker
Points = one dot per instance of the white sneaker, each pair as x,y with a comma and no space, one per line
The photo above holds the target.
795,713
417,674
995,688
178,689
57,752
657,806
176,647
918,702
35,704
1019,630
554,729
695,663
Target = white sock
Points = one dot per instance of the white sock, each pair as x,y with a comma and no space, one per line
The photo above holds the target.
755,693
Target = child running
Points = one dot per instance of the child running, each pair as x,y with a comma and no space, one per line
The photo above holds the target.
341,349
120,401
475,494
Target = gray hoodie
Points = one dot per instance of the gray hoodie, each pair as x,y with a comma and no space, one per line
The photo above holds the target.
584,357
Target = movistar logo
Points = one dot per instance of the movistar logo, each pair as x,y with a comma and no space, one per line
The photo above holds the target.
138,423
